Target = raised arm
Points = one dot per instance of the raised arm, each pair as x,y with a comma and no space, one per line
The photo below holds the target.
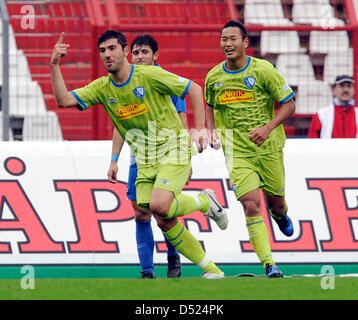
63,98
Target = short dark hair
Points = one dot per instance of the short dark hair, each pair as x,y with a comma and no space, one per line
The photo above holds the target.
111,34
237,24
145,40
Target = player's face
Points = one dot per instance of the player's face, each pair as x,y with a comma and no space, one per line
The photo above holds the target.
344,92
112,55
232,44
143,55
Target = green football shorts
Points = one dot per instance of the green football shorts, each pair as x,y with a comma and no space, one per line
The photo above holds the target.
169,176
264,172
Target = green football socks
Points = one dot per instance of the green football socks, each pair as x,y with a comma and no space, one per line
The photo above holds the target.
259,239
185,243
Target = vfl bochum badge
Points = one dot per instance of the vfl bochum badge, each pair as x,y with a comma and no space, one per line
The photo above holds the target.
250,82
139,92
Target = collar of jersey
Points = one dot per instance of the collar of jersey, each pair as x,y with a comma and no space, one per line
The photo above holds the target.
124,83
237,71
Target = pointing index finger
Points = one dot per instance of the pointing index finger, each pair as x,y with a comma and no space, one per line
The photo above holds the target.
60,41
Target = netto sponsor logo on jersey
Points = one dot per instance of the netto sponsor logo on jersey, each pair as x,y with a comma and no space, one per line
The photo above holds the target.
131,110
232,96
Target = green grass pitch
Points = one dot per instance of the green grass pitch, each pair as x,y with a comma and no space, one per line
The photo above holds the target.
121,283
231,288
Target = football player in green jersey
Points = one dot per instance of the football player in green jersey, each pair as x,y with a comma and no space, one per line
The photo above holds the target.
145,51
240,94
137,99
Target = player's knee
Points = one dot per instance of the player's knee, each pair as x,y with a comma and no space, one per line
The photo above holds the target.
251,207
141,213
142,216
159,208
165,224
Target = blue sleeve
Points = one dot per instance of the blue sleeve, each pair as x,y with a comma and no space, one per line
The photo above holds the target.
179,104
81,105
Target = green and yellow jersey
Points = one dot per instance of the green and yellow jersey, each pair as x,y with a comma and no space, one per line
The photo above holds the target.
142,110
244,100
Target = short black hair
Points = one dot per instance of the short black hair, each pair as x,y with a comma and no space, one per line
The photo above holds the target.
237,24
145,40
111,34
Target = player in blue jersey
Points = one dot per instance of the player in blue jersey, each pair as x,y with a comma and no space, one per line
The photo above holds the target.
144,50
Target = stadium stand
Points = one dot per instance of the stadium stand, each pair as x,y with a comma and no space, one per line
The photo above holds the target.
296,68
312,95
277,42
321,41
310,42
41,127
265,12
26,99
315,12
52,17
339,62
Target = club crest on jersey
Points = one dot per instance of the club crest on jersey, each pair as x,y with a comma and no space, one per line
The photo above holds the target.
139,92
250,82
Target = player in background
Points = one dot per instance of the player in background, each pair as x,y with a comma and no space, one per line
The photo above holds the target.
240,94
144,51
137,99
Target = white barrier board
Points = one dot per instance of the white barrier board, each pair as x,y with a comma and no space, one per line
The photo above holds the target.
56,206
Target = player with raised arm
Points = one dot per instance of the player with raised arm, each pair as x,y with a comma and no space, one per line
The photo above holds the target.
145,51
137,99
240,94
